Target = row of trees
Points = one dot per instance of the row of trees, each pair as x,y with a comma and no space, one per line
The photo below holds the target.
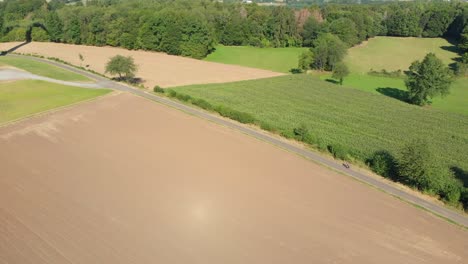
416,166
193,27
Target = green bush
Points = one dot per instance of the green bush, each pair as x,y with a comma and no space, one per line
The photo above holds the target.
38,34
385,73
321,144
158,89
419,168
296,71
414,162
183,97
171,93
242,117
301,132
338,151
383,163
16,34
451,192
202,103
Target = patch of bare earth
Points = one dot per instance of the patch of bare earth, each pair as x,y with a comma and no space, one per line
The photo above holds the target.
125,180
153,67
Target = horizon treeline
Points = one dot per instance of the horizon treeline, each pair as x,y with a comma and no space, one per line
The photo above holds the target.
193,27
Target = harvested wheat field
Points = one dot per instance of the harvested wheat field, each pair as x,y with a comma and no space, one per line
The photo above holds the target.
153,67
125,180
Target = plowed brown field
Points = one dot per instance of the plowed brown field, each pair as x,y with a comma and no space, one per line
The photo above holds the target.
125,180
153,67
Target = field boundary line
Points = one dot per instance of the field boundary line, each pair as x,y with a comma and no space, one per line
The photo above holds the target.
440,211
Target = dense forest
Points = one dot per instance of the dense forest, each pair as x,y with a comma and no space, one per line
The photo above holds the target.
193,27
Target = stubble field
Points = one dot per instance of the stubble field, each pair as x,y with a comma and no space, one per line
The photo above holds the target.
125,180
153,67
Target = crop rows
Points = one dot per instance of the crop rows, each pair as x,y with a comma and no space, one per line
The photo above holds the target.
363,122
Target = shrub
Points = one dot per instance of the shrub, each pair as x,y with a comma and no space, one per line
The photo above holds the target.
322,145
383,163
306,59
242,117
414,162
301,132
419,168
202,103
451,192
158,89
385,73
295,71
183,97
171,93
338,151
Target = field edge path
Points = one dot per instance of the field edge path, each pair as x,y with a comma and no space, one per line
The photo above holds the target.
436,209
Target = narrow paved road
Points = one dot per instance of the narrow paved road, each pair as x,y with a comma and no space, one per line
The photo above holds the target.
14,74
386,187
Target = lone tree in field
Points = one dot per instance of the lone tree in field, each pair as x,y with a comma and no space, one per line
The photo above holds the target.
427,79
340,71
123,66
328,51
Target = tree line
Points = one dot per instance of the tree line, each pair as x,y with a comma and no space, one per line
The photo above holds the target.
193,27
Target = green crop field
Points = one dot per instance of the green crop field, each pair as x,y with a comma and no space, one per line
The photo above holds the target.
274,59
363,122
22,98
392,53
42,69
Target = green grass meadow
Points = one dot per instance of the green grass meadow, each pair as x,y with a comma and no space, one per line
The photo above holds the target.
42,69
393,53
273,59
456,101
363,122
23,98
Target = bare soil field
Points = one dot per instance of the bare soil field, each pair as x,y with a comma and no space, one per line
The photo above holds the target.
153,67
125,180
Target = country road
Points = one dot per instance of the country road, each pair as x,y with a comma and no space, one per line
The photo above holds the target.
316,157
15,74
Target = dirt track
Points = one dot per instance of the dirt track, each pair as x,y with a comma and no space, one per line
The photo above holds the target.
125,180
154,68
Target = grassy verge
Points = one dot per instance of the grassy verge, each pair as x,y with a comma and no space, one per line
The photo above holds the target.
23,98
274,59
42,69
